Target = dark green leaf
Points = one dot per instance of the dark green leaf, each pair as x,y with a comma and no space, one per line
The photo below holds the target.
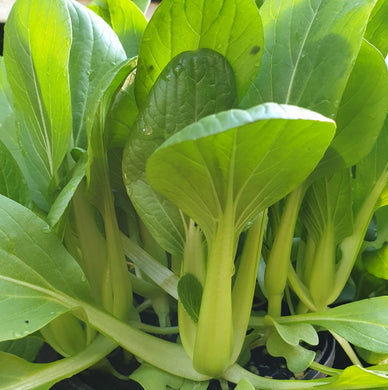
309,52
190,295
26,348
193,85
213,163
232,28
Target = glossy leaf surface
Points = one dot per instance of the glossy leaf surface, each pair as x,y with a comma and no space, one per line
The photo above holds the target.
193,85
43,110
232,28
377,30
214,162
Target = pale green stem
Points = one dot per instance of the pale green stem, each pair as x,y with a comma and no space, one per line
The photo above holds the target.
276,271
300,289
193,263
351,245
245,282
159,274
120,291
167,356
321,278
214,338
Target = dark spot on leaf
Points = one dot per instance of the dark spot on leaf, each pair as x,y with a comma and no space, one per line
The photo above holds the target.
27,322
255,50
150,68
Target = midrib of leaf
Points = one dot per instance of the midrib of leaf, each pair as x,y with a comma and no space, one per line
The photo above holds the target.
57,297
45,139
293,74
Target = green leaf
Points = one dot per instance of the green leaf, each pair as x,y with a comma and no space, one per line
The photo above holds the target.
309,52
12,182
26,348
214,163
18,374
371,173
37,275
190,295
43,111
126,20
293,334
232,28
122,114
95,51
363,323
328,203
62,201
355,377
361,112
376,261
377,30
297,357
193,85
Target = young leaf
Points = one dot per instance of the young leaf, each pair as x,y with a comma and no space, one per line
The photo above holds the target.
95,51
298,358
213,162
43,111
190,295
181,25
244,385
193,85
309,53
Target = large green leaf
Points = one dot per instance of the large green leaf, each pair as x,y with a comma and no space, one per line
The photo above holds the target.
361,112
37,274
41,98
95,51
193,85
363,323
310,48
231,27
244,159
377,30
